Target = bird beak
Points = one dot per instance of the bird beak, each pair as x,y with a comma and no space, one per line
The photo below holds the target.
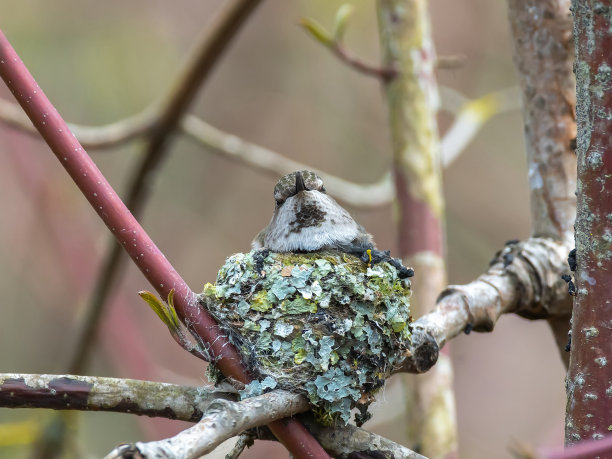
299,183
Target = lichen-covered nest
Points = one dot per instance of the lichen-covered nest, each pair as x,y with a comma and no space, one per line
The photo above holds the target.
321,323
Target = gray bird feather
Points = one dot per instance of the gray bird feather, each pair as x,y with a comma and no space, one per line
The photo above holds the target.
306,219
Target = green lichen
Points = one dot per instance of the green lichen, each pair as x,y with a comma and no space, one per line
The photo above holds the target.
324,324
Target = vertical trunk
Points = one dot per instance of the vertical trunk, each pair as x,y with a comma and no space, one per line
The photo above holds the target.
412,98
542,37
589,381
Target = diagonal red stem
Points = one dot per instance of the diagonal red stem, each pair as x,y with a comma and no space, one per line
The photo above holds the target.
139,246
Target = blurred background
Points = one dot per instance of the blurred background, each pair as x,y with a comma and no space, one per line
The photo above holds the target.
101,61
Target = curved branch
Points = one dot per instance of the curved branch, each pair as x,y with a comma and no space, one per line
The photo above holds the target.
215,140
90,137
223,419
525,278
261,158
382,73
336,46
471,116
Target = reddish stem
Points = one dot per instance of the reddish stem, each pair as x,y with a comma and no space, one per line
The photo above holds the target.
110,208
419,229
589,379
139,246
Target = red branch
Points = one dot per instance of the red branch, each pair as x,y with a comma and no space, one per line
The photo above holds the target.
589,380
139,246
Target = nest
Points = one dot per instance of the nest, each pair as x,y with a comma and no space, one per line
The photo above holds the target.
324,324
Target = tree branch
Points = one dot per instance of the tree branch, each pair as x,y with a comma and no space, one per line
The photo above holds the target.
261,158
525,278
588,386
90,137
543,56
91,393
471,115
222,420
350,442
336,46
382,73
145,254
245,440
215,140
206,405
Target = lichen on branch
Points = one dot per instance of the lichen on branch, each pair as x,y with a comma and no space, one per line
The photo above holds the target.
325,324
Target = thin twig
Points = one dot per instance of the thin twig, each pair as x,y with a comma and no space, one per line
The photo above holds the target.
584,449
245,440
217,141
336,46
382,73
91,137
470,117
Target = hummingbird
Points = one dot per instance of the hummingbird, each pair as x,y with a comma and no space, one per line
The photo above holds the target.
307,219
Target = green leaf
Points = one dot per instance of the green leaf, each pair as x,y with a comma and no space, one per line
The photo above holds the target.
343,15
166,313
317,31
171,310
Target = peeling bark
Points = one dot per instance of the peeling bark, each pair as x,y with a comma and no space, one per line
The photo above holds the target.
350,442
90,393
524,278
222,420
589,381
543,55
